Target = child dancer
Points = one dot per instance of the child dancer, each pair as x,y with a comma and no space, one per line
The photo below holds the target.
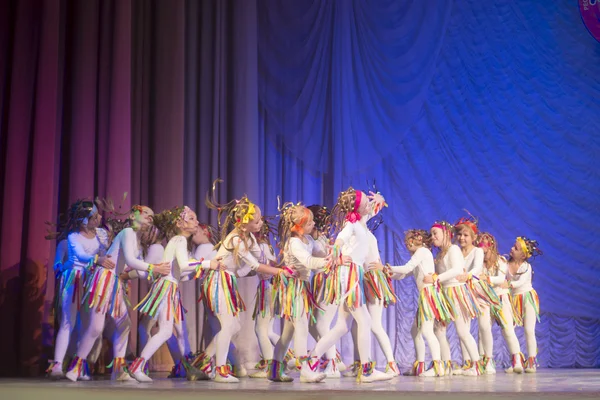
449,265
105,295
332,363
163,301
202,248
525,301
292,298
379,291
86,246
432,305
345,283
263,306
496,269
238,252
466,235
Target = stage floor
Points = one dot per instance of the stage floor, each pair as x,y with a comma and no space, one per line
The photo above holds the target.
547,383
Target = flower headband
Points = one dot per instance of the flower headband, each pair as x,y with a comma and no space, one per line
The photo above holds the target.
248,216
93,211
186,213
529,246
443,225
354,216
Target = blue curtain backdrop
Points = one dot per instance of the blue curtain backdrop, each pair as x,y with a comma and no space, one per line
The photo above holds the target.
489,107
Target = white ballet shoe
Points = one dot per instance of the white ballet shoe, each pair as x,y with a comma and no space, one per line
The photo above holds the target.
392,370
331,371
367,374
137,371
531,365
260,374
124,377
224,375
308,373
474,370
55,371
72,375
435,370
490,367
352,370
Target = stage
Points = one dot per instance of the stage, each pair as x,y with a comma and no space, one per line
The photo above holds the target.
547,383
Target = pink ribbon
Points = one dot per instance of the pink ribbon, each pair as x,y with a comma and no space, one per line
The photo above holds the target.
354,216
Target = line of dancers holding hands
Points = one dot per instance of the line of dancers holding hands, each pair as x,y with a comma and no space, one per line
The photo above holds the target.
327,264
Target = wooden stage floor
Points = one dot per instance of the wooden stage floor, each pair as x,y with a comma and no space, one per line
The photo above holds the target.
546,383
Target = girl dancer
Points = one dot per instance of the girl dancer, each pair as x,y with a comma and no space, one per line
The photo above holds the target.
263,306
496,269
86,247
466,234
202,248
331,364
163,301
432,305
105,295
345,284
525,301
239,253
379,291
449,265
292,297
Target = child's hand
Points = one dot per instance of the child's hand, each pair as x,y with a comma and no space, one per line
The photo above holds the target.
377,265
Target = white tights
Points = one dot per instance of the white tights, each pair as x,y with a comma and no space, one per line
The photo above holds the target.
427,332
529,321
376,310
462,329
323,325
67,324
342,326
173,344
94,330
267,338
297,329
165,331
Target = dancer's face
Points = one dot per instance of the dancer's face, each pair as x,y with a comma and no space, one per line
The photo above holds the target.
465,237
516,252
201,236
309,225
143,217
438,237
94,221
256,224
189,225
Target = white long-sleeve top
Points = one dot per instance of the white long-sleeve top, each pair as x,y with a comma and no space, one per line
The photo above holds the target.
177,254
125,250
450,267
204,252
82,250
304,257
266,257
154,255
474,261
500,276
421,262
355,238
521,282
247,258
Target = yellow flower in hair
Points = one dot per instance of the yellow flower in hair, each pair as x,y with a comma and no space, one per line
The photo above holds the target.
249,214
524,247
